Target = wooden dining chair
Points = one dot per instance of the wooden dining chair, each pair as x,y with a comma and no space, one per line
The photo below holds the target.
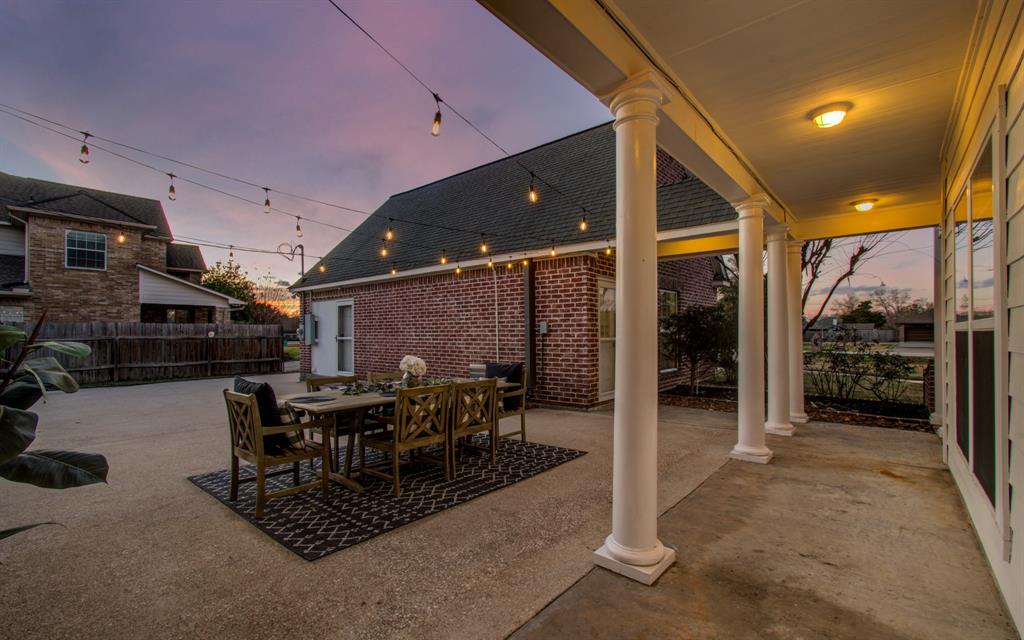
505,412
420,420
247,443
474,410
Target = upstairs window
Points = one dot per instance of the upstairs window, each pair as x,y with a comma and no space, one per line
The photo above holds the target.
84,250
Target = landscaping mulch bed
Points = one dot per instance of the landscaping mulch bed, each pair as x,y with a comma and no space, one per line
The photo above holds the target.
902,416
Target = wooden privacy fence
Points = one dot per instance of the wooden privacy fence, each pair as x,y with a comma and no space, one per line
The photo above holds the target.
127,352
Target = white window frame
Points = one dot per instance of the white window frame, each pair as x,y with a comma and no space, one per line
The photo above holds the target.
351,339
67,236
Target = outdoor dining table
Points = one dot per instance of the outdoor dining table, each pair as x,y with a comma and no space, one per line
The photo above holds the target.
316,404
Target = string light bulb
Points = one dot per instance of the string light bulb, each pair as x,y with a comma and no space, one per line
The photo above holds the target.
532,194
83,154
458,269
172,193
266,200
384,249
394,269
322,267
552,251
509,265
298,229
389,234
435,129
231,253
490,263
121,238
444,257
584,224
526,262
608,249
483,244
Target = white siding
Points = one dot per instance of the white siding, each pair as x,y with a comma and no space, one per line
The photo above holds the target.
12,240
157,289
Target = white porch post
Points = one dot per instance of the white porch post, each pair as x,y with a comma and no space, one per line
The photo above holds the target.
633,548
778,335
794,289
750,445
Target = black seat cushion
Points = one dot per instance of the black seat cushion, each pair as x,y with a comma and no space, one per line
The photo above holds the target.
270,416
512,372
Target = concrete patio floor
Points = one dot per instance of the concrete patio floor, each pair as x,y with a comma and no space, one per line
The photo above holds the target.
848,532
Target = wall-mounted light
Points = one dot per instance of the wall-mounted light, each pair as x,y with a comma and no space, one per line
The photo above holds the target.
830,115
864,205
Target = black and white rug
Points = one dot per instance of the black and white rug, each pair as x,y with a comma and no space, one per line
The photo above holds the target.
313,527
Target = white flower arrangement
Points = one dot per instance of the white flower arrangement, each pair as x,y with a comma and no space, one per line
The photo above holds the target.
413,366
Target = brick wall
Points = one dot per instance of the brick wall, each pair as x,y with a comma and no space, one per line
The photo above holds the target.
79,295
449,320
692,280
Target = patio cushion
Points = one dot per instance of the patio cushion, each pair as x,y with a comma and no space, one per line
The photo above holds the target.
512,372
270,415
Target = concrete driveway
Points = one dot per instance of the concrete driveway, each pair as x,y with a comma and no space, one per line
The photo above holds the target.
151,556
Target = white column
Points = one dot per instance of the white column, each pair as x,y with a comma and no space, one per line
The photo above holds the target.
633,548
750,445
794,289
778,335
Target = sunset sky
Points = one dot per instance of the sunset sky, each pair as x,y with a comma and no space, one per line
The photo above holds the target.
291,95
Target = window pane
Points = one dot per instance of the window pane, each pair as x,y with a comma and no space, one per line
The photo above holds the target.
606,312
85,250
961,296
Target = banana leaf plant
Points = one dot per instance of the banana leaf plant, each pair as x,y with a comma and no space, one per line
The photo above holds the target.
23,382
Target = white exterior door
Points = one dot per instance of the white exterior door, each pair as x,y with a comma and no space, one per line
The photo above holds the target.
334,345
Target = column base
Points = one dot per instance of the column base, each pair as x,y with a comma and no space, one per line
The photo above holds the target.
799,418
779,429
643,574
760,456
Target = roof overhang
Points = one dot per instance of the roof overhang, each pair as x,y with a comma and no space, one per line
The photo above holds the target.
232,302
71,216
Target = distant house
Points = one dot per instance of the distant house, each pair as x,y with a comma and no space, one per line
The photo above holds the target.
918,327
89,255
556,313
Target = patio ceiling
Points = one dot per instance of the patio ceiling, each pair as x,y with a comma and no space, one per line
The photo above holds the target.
748,72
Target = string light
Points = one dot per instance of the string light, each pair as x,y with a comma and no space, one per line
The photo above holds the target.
608,249
394,269
444,257
121,237
490,263
231,254
458,269
172,193
384,249
435,130
526,262
583,224
552,251
83,154
298,229
322,267
483,244
389,234
532,194
509,265
266,200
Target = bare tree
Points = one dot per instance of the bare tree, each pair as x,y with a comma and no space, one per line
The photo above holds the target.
835,259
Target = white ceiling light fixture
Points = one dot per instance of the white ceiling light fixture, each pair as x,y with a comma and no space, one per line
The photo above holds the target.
864,205
830,115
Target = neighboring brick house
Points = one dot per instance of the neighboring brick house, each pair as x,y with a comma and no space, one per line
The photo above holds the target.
88,255
555,313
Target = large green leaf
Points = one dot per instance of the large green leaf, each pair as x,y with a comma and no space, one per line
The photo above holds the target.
7,533
75,349
10,336
56,469
21,395
17,431
49,372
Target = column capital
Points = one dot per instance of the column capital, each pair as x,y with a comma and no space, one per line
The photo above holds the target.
756,205
795,246
778,233
639,96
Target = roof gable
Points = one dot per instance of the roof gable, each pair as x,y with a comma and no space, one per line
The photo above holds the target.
54,197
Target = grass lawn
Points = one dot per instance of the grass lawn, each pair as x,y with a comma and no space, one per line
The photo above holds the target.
291,353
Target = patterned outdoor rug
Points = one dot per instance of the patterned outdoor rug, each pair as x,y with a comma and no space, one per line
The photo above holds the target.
313,527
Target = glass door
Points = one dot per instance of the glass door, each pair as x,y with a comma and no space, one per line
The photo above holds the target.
606,339
346,355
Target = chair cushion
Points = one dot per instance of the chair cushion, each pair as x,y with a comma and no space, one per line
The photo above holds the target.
270,415
512,372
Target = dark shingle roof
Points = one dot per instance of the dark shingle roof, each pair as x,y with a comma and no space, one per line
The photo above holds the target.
44,195
186,257
491,199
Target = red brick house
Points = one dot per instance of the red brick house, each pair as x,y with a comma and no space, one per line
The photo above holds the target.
447,305
88,255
